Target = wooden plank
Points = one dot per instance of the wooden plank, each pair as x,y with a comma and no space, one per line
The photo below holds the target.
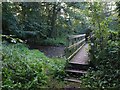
73,39
76,36
72,80
76,44
76,63
76,71
75,52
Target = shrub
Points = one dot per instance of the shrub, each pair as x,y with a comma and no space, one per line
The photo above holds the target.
25,69
107,65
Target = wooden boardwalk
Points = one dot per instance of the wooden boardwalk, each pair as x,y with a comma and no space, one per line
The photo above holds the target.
78,65
78,58
82,56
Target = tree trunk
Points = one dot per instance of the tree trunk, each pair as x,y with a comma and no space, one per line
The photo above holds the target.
53,21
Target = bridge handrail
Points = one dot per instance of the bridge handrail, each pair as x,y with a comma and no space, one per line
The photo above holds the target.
75,36
77,41
76,44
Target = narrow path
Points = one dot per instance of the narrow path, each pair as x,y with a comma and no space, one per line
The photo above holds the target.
82,56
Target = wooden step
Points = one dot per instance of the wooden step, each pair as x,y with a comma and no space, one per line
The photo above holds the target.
78,63
77,66
76,71
72,80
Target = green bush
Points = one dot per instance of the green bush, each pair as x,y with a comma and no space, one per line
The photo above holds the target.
25,69
107,65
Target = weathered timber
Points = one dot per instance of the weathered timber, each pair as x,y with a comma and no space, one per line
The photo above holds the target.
76,36
75,43
77,66
75,52
72,80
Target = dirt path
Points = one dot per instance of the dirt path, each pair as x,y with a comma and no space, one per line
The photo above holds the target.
50,51
82,56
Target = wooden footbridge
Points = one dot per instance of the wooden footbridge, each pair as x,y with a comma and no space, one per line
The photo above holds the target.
77,55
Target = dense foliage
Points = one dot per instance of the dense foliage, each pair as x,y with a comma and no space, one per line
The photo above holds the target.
49,24
105,70
28,69
40,22
104,52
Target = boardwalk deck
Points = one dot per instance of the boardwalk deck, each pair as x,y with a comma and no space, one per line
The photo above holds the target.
82,56
78,65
